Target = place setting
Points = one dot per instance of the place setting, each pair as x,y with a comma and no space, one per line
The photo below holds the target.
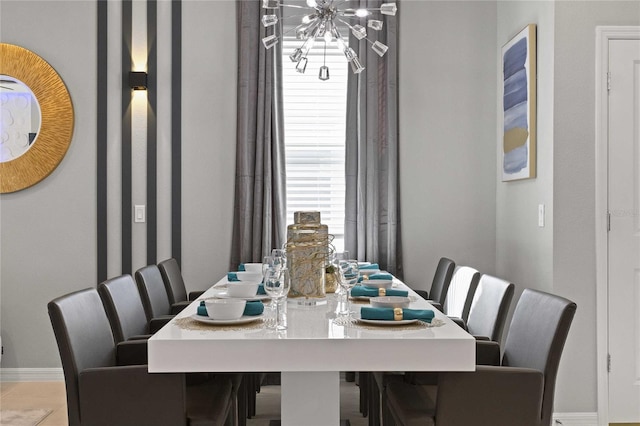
225,314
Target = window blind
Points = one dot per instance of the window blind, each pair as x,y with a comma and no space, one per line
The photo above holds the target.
314,129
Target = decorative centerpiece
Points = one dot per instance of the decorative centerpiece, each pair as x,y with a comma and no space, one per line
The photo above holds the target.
330,279
307,254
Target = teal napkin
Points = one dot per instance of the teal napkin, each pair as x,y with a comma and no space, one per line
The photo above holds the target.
361,290
373,266
387,314
252,308
241,267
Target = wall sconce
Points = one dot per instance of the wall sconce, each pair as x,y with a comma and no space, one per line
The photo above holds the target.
138,80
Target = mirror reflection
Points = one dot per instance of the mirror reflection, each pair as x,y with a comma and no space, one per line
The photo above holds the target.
19,119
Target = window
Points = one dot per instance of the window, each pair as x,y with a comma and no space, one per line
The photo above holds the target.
314,127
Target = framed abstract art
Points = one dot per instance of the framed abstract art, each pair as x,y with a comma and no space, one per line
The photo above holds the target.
518,141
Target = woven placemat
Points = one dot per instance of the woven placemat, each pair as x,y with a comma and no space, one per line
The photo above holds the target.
189,323
418,325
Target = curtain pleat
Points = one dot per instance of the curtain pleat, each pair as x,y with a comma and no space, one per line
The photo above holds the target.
260,196
372,223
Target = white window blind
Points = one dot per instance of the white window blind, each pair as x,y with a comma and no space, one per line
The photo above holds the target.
314,129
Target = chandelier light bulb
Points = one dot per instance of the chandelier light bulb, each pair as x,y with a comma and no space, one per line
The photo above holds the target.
312,3
269,20
270,4
308,18
356,66
359,31
301,66
324,73
379,48
296,55
270,41
361,13
388,9
374,24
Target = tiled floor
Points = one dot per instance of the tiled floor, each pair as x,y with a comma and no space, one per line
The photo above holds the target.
51,395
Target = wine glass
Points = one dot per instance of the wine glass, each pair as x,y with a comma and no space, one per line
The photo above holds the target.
349,275
279,257
276,284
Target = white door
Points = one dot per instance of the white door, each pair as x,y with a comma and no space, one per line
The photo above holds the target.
624,235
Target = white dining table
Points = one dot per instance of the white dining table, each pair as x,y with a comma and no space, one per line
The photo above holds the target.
317,345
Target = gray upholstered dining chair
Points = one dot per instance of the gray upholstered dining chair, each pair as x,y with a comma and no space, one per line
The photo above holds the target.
101,392
153,292
516,390
440,284
489,308
461,291
174,283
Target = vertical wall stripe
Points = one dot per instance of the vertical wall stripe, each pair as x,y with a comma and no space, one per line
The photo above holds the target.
127,65
152,147
176,130
101,141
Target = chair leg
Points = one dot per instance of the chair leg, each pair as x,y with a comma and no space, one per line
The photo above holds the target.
374,402
242,400
363,383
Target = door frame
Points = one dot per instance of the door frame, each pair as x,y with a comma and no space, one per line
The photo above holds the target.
604,34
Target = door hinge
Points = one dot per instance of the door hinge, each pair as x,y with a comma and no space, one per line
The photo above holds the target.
608,221
608,81
608,363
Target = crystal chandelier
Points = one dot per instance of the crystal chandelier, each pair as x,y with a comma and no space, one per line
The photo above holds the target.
320,19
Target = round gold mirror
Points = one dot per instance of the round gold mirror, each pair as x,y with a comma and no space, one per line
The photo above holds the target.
37,118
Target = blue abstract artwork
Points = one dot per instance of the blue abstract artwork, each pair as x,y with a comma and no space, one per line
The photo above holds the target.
518,99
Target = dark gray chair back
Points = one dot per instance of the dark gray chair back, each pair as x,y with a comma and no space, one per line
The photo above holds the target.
489,307
124,307
173,281
153,292
536,338
441,280
84,338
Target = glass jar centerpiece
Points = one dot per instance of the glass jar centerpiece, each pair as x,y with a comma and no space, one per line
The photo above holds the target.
307,253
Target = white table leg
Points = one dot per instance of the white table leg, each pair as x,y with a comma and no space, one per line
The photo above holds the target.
310,398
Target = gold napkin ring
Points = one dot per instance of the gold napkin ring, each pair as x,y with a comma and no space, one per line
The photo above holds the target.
382,292
397,314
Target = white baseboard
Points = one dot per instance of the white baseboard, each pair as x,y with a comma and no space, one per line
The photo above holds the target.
575,419
31,375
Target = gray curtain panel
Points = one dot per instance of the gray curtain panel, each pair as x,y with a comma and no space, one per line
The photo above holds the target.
260,197
372,223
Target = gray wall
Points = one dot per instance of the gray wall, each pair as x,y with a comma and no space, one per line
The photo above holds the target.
447,135
48,231
48,243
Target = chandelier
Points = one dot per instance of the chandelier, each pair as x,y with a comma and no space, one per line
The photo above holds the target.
321,19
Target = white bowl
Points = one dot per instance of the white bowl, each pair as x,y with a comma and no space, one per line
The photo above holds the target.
368,271
390,302
377,283
253,267
249,276
243,288
225,309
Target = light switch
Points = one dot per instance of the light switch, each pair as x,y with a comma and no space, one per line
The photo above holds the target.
139,213
541,215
